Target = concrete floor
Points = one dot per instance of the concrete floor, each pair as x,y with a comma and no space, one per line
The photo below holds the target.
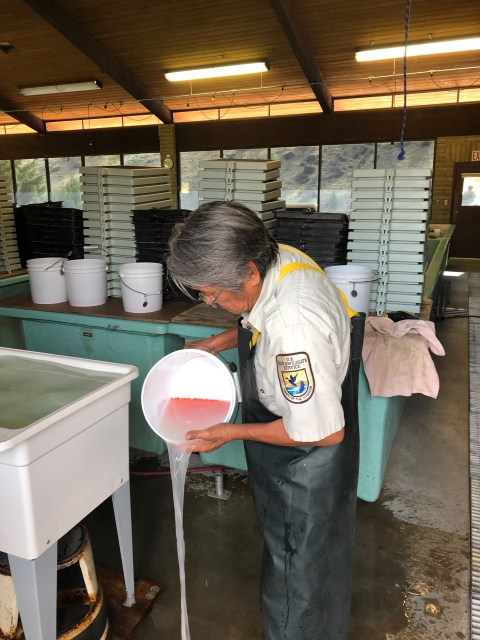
412,545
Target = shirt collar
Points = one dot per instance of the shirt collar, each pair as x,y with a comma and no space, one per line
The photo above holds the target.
256,315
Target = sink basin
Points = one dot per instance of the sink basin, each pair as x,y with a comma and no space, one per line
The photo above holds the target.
63,444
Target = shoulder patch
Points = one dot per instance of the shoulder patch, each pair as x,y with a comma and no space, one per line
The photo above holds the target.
295,376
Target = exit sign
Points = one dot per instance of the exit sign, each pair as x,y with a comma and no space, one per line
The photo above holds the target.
476,155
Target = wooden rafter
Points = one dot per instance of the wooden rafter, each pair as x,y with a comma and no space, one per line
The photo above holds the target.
75,33
25,117
286,16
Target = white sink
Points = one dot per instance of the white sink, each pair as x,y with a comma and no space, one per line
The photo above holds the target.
66,446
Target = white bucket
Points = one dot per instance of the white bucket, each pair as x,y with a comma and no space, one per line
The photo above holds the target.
86,282
356,282
141,286
47,282
187,375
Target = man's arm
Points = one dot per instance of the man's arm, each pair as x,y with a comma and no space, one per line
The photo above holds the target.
226,340
269,432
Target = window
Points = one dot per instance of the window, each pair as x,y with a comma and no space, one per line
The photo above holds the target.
65,181
418,155
31,181
101,161
298,173
338,163
189,161
246,154
142,159
471,191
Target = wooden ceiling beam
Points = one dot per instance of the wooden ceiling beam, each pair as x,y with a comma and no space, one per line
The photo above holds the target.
20,115
296,36
75,33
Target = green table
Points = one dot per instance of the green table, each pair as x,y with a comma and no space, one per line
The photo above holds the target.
10,328
108,333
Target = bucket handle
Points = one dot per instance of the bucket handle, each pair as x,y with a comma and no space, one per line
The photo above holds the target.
354,292
62,260
92,247
145,295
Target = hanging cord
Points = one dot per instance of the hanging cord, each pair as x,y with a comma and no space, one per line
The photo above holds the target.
401,155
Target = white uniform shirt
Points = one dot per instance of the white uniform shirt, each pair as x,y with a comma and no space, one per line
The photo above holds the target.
303,350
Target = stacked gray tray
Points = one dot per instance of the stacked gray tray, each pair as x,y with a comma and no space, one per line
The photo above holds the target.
388,232
254,183
9,255
110,195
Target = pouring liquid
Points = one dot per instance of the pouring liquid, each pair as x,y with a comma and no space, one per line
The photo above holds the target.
180,416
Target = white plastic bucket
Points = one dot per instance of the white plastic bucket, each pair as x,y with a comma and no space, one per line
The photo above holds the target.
47,282
187,375
141,286
356,282
86,282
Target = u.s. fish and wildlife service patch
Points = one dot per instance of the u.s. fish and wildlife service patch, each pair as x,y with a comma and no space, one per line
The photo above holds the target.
295,376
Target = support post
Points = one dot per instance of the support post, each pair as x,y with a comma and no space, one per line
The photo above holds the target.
123,518
35,583
168,147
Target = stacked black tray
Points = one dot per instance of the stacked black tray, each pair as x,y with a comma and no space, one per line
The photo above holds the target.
322,236
153,228
47,230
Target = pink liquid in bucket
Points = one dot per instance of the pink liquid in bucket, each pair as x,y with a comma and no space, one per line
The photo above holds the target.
182,415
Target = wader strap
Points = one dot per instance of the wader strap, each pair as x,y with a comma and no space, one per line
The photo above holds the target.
297,266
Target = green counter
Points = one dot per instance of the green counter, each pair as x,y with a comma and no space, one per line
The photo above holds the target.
10,328
437,256
108,333
112,335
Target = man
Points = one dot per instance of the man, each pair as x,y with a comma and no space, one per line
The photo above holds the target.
299,410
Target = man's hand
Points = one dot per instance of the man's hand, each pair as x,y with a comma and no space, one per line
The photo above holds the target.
204,345
210,439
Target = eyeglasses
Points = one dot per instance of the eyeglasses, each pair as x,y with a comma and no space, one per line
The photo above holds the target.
204,297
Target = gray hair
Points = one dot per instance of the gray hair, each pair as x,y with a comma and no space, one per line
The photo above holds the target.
213,247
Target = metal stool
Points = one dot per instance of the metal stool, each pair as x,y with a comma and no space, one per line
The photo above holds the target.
81,610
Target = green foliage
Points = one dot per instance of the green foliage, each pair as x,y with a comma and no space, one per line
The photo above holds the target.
333,202
30,181
72,185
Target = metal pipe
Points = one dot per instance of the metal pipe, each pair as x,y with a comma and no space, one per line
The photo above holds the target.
219,483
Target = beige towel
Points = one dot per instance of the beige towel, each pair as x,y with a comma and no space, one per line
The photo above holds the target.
396,358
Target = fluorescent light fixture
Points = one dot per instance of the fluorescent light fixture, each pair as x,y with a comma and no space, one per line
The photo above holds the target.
424,49
453,274
217,72
61,88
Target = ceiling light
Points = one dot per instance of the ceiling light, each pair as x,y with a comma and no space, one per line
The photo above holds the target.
61,88
217,72
423,49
